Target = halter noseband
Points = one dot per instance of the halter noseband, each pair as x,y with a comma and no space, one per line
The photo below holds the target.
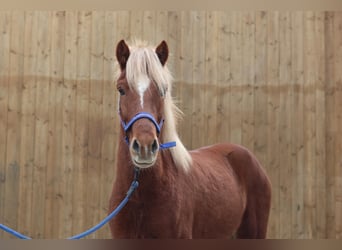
146,115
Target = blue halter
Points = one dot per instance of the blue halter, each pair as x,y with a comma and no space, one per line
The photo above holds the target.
146,115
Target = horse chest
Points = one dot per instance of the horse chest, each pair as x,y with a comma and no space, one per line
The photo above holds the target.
150,219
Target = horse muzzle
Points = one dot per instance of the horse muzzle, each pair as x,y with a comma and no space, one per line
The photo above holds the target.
144,152
144,149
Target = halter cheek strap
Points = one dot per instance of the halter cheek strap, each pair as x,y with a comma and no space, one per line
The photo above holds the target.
146,115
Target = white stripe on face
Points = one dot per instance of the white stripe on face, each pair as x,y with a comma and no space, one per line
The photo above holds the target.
142,86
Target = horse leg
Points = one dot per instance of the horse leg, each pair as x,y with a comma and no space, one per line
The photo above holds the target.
258,193
255,218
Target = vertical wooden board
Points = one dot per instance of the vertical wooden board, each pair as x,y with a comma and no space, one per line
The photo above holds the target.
80,166
65,195
185,73
285,126
149,27
310,127
297,138
173,29
13,118
28,124
236,78
272,151
174,43
54,159
110,127
338,108
5,31
95,134
260,97
41,123
222,52
161,27
198,129
211,105
248,72
136,25
331,129
320,150
123,22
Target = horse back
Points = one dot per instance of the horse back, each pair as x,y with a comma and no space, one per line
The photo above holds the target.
232,158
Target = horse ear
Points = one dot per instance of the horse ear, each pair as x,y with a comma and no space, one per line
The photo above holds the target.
122,54
162,51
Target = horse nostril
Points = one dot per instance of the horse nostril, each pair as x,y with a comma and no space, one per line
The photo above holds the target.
154,146
136,146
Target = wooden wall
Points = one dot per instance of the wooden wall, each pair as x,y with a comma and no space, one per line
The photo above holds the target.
271,81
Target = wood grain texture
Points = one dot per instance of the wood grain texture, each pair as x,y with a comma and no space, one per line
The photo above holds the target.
5,33
297,135
273,116
27,124
338,107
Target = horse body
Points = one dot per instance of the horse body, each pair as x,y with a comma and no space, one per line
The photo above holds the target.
218,191
221,197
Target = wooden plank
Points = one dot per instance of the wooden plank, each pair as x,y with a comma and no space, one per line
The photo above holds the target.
28,125
248,72
64,195
173,34
13,117
198,128
222,53
338,108
236,78
41,123
81,140
122,27
310,127
273,115
331,129
210,105
149,27
161,28
260,96
297,139
320,151
285,126
184,91
5,31
136,25
95,132
54,159
110,126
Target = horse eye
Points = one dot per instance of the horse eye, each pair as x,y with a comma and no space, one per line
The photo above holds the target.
163,92
121,91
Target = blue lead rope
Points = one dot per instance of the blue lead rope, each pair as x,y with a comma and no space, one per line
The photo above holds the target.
129,193
14,233
133,186
167,145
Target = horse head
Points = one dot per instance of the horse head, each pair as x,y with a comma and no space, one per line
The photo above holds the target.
143,85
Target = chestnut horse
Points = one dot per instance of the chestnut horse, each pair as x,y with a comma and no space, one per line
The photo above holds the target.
218,191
